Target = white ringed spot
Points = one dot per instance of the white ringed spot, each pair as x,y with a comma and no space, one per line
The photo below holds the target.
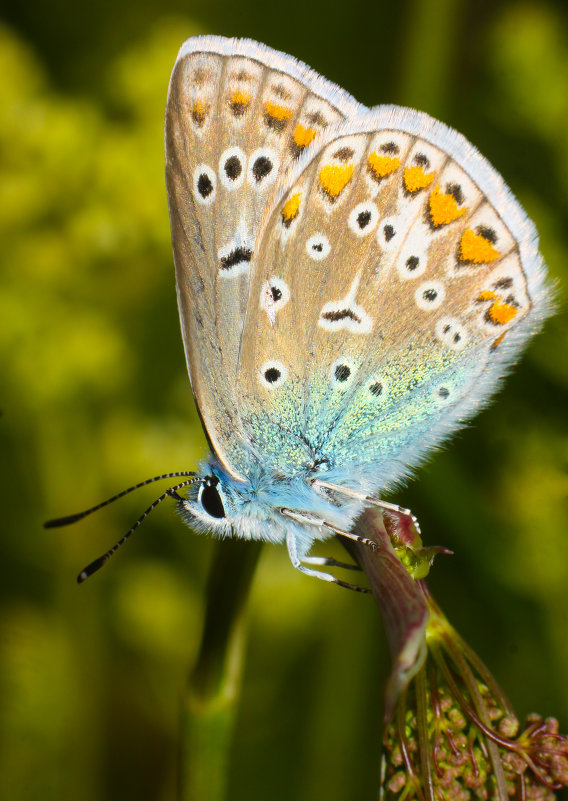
232,167
318,247
263,167
451,332
363,218
444,394
342,372
346,313
412,265
274,295
388,233
234,258
204,184
272,374
430,295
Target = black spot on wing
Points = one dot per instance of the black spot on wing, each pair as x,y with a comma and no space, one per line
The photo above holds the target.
344,154
363,219
342,372
389,232
391,148
236,257
204,185
341,314
233,168
261,168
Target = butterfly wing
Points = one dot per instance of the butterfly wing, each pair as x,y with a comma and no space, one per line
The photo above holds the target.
238,116
395,280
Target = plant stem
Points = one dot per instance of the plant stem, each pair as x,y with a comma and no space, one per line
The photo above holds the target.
209,705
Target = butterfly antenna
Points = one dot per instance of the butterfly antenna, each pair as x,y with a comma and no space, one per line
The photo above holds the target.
98,563
65,521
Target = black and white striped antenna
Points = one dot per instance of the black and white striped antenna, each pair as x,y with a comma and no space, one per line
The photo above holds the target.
172,492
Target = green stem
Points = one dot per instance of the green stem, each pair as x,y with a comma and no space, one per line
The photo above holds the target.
423,738
209,705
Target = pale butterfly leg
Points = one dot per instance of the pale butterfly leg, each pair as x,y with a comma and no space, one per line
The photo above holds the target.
319,522
296,559
361,496
329,561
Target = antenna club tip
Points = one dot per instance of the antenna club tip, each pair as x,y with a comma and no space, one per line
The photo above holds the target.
92,568
63,521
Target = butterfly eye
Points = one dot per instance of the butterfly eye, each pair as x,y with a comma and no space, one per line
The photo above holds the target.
211,499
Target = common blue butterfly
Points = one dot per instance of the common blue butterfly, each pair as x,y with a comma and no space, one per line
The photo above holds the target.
352,285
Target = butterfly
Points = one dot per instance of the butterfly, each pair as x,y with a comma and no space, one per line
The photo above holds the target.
352,285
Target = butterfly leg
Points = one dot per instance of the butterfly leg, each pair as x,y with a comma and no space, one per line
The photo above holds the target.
329,561
297,560
367,499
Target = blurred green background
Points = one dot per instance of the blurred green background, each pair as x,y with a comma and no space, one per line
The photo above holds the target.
94,396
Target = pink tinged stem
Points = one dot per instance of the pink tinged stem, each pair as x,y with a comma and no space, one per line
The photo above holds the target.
401,601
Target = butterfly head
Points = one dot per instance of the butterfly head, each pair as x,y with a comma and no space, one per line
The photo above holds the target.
224,506
208,505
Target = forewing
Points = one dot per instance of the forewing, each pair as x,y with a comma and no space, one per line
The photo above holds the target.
394,281
238,115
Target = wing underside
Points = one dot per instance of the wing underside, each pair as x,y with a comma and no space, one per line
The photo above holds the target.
238,117
395,280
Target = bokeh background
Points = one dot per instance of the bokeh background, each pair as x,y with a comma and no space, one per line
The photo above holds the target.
94,396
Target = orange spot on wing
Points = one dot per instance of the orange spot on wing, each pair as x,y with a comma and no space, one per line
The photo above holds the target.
303,136
497,342
276,111
476,248
501,313
334,178
198,112
415,179
242,98
487,294
239,102
290,208
444,208
381,166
